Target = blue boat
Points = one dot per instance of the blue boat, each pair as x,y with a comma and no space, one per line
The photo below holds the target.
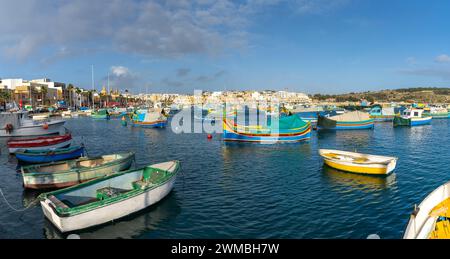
49,155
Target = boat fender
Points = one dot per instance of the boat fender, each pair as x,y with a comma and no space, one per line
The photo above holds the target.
9,128
45,126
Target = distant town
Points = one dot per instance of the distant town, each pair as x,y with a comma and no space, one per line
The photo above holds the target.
38,93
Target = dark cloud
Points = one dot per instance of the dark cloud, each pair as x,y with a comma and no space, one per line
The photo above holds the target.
206,78
172,83
183,72
150,28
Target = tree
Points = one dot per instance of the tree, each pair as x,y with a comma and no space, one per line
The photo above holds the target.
44,91
5,95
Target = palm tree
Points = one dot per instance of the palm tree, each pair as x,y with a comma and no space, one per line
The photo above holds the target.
70,88
78,92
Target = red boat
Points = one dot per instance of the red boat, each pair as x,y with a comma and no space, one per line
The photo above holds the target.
40,143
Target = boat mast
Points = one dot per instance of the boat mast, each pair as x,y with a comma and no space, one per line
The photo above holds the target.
107,93
92,94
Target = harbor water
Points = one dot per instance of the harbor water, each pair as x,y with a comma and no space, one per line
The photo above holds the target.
252,190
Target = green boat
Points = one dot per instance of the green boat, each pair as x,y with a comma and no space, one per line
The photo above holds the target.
101,114
109,198
71,172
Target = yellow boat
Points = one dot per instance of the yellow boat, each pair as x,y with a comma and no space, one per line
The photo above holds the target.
358,163
431,219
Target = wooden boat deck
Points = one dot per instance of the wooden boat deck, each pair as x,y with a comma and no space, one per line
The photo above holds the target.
442,225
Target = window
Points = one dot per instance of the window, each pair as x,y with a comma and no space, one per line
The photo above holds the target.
416,114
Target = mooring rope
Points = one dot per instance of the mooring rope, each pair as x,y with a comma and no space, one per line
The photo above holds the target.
12,207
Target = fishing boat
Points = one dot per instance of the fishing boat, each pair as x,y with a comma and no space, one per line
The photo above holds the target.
412,117
101,114
381,114
18,125
357,162
437,113
49,155
151,118
431,219
109,198
347,121
289,129
70,172
51,142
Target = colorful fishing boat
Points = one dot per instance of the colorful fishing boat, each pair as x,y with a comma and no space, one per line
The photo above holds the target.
150,119
49,155
431,219
101,114
347,121
289,129
381,114
412,117
51,142
357,162
109,198
71,172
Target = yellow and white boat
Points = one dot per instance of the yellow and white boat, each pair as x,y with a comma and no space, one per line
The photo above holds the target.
358,163
431,220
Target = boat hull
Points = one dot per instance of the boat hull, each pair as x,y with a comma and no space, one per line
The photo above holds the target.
324,123
54,127
107,213
66,179
400,121
153,124
421,224
46,158
375,167
231,135
370,170
50,144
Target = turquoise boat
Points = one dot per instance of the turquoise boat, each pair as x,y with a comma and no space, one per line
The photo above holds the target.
101,114
290,129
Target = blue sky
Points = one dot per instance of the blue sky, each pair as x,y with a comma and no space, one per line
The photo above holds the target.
312,46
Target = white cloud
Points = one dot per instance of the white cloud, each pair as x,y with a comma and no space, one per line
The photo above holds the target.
442,58
120,71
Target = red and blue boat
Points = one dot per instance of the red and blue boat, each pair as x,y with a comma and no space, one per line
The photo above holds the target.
289,129
49,155
50,142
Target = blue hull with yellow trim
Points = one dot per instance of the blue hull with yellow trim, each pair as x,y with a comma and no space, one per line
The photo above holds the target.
155,124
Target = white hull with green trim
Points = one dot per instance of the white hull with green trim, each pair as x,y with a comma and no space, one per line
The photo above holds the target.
109,198
71,172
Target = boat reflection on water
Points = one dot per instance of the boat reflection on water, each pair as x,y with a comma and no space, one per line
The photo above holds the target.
131,226
358,181
350,138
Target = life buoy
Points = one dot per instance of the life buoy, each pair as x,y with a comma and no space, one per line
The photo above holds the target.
45,126
9,128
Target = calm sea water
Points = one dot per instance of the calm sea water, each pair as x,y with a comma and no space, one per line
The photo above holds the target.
251,190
